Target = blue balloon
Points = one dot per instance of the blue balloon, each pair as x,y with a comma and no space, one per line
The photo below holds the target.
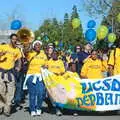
91,24
16,24
60,44
110,29
90,35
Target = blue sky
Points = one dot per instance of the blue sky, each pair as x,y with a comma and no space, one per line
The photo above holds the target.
35,11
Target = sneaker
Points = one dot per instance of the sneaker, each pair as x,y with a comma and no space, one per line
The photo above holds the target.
7,114
33,113
38,112
1,110
75,114
58,112
118,112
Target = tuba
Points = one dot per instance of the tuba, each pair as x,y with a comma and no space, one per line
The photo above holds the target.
26,37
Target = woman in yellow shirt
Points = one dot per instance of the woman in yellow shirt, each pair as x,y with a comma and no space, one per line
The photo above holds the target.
92,68
33,81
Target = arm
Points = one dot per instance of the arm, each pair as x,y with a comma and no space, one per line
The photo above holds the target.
19,64
111,62
18,59
62,68
84,70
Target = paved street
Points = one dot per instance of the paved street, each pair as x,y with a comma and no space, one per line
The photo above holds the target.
23,114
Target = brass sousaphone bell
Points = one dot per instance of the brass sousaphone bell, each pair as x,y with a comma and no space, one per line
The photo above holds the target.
26,37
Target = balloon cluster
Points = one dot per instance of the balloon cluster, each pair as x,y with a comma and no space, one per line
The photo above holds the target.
102,33
90,34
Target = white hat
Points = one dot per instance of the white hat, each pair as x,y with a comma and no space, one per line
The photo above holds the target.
36,41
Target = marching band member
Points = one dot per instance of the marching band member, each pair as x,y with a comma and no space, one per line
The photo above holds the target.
114,60
9,54
33,81
56,66
92,68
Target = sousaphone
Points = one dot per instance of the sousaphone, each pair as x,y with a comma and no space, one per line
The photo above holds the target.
26,37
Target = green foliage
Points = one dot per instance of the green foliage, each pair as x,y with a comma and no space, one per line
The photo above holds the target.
56,30
111,19
109,9
96,8
101,45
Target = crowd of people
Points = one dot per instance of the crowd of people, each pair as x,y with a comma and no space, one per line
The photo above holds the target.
20,71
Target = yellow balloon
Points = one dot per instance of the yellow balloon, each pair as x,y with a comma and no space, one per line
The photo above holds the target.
111,37
56,42
76,23
102,32
118,17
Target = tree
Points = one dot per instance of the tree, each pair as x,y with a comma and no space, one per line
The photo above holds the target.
109,9
57,30
111,20
74,12
97,8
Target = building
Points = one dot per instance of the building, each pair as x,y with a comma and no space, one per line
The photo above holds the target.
4,35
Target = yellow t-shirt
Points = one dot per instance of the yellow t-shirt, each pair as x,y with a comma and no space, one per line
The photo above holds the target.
12,54
105,65
92,69
68,59
36,63
114,60
56,66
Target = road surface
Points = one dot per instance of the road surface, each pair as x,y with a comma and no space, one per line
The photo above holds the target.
23,114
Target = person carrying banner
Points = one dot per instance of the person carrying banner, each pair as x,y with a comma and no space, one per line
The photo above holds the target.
33,81
9,54
56,66
93,67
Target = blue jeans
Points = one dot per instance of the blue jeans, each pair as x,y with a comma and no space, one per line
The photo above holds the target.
36,94
19,93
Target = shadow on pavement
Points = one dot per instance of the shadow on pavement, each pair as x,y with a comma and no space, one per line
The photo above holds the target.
81,113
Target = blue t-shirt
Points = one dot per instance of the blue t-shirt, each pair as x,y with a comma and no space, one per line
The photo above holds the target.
82,56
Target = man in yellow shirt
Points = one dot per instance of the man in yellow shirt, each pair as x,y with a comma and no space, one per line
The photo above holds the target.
33,81
92,68
9,54
114,61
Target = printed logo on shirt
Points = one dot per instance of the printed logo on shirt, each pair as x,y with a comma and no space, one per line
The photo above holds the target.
55,67
94,66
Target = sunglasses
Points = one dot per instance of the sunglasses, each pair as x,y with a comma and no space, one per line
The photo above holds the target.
50,48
